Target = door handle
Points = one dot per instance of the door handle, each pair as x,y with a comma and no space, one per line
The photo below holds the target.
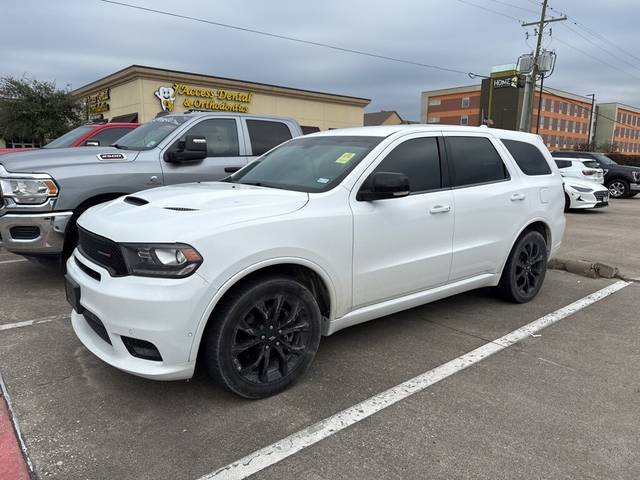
231,169
440,209
517,197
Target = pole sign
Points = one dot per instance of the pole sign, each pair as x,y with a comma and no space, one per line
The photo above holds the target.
508,82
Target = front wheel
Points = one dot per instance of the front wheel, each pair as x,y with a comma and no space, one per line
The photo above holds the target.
263,337
618,188
567,203
525,269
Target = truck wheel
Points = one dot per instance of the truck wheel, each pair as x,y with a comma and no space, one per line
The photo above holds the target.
525,269
263,336
618,188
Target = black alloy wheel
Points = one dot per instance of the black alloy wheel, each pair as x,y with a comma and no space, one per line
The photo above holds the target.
618,188
525,269
264,337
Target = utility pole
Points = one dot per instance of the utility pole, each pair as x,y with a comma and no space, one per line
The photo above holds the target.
593,101
529,88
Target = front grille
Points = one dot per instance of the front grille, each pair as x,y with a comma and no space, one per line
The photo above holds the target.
102,251
97,326
89,271
600,196
26,232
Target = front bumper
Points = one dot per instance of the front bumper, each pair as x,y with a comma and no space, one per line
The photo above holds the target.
634,187
581,200
34,233
164,312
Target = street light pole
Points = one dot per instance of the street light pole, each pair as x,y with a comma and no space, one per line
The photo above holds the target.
593,101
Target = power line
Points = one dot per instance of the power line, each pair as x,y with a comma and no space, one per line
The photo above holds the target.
515,6
292,39
481,7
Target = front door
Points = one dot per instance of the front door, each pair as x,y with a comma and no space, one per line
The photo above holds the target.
225,153
403,245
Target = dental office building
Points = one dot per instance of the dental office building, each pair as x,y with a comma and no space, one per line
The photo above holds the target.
138,93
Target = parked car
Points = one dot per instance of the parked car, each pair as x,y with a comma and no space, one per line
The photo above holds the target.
88,135
39,210
324,232
580,168
584,194
622,180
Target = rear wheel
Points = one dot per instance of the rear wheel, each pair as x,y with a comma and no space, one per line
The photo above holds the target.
525,270
263,337
618,188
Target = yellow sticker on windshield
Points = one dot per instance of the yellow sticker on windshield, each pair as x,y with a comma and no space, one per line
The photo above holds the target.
345,157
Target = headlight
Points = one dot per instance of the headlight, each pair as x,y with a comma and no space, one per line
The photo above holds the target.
581,189
28,191
636,175
161,260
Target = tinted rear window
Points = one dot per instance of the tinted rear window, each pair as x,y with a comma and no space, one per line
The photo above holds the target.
474,161
528,157
265,135
591,164
563,163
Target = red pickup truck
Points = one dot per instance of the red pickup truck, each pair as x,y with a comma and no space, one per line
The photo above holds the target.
91,134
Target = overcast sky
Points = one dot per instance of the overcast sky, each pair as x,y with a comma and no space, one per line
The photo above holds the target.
77,41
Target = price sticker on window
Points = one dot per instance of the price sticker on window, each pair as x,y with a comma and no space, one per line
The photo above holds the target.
345,158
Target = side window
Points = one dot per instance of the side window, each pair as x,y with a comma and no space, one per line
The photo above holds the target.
530,160
563,163
419,160
221,135
265,135
109,136
474,160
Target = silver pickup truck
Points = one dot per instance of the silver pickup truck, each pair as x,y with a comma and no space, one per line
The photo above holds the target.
43,192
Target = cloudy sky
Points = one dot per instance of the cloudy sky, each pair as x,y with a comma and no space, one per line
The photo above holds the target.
77,41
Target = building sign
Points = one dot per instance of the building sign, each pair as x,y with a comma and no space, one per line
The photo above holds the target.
202,98
98,102
509,82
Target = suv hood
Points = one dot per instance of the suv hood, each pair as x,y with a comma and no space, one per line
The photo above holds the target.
187,212
44,159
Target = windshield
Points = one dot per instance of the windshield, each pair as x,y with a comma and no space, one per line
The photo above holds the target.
69,138
309,164
604,160
150,134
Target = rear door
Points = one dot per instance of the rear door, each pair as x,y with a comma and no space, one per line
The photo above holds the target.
262,135
226,152
490,201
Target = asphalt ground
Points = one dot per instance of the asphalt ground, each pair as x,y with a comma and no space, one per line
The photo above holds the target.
565,404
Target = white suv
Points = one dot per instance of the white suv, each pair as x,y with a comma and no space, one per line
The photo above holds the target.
321,233
583,168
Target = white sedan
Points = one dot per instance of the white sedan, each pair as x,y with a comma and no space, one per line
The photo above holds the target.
582,194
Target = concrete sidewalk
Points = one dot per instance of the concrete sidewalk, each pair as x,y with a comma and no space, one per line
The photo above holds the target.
610,236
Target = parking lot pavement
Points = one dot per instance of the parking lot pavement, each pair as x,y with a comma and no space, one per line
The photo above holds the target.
83,419
563,405
609,235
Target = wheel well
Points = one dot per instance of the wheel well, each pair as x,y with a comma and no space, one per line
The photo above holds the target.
542,229
304,275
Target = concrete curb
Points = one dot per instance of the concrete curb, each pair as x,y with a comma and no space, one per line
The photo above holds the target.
585,268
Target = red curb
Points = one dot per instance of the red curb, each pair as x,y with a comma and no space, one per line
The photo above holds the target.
12,464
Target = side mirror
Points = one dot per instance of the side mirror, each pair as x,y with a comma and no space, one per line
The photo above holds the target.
193,148
385,185
92,142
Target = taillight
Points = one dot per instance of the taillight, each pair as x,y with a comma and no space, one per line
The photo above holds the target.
588,172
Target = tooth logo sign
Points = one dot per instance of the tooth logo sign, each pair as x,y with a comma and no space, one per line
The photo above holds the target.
167,97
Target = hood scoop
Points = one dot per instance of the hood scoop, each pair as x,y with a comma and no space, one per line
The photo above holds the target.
181,209
137,201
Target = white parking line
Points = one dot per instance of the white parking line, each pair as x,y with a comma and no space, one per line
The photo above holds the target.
28,323
13,261
292,444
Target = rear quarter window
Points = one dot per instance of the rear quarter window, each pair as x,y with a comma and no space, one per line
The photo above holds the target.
265,135
528,157
563,163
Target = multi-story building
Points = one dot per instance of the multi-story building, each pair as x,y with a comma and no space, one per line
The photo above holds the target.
619,126
451,106
563,121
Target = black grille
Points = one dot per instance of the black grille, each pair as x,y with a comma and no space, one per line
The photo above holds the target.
89,271
102,251
26,232
600,196
141,348
97,326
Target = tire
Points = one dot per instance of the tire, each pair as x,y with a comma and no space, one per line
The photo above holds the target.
618,188
567,203
256,322
525,269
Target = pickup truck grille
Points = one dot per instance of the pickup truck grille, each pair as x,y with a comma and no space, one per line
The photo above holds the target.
102,251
